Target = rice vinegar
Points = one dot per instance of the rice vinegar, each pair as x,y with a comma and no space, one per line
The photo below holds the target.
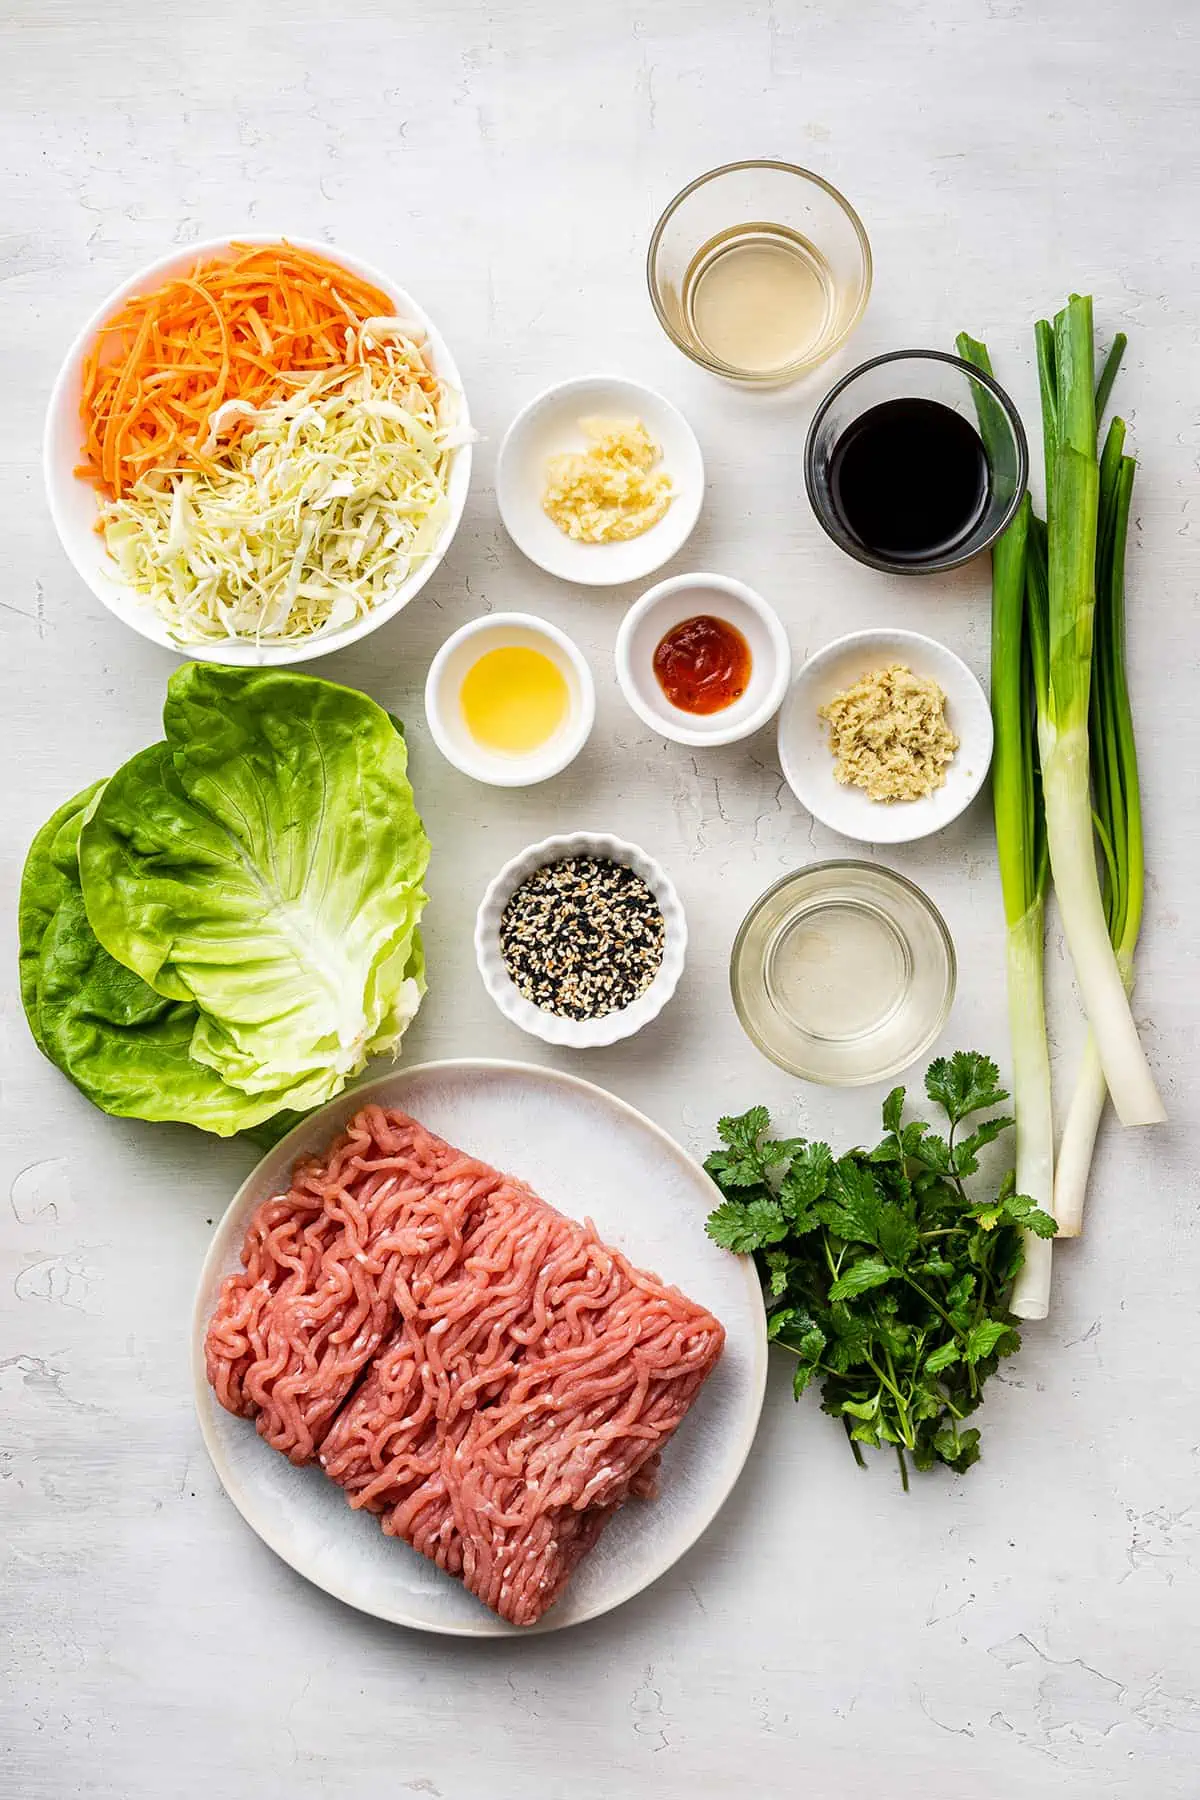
759,298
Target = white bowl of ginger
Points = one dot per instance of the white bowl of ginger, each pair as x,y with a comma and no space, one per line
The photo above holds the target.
599,480
885,736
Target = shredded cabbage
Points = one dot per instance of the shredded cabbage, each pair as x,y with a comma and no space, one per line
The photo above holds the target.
327,503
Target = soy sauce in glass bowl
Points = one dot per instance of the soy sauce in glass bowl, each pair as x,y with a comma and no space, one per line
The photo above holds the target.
896,469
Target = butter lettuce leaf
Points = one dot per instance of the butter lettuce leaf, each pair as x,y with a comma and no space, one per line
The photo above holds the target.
263,865
124,1046
50,870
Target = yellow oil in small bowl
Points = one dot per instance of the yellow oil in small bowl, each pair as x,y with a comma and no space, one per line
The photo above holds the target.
514,699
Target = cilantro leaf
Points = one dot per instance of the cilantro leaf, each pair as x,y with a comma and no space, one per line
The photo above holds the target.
957,1449
870,1272
740,1165
933,1153
804,1182
852,1209
743,1226
943,1357
897,1237
893,1106
966,1152
890,1151
803,1375
797,1332
748,1157
851,1341
1019,1209
742,1132
778,1262
728,1226
983,1338
861,1409
964,1083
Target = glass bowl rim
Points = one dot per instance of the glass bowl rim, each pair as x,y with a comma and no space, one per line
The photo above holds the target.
939,564
882,872
715,364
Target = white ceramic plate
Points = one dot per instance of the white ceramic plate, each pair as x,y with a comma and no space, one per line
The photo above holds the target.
547,427
75,503
807,761
585,1152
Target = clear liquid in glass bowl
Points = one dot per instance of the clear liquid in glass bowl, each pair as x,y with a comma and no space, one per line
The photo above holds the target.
759,298
758,271
843,973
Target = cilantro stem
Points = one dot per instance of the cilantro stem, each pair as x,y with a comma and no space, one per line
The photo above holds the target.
930,1301
903,1461
958,1182
901,1410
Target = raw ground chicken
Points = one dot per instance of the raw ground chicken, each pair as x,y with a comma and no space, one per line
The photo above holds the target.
523,1378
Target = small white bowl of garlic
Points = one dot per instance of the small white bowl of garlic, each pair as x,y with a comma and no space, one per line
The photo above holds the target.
573,448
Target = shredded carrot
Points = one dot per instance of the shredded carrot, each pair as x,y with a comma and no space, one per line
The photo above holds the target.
230,330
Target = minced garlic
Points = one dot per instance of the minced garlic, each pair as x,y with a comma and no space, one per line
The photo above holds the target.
612,490
889,735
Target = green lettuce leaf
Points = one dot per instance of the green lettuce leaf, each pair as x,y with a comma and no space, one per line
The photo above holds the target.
44,883
124,1046
264,864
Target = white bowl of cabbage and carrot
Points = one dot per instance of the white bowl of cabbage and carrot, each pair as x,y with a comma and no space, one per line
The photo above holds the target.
257,451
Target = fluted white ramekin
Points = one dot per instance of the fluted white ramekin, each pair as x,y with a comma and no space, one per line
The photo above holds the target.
579,1034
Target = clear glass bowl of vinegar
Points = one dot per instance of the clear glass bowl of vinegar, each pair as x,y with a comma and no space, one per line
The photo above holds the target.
758,271
843,973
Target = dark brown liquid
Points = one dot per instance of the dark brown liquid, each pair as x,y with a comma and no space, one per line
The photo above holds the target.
909,480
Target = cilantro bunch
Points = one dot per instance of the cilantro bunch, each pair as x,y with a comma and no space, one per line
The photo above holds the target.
883,1275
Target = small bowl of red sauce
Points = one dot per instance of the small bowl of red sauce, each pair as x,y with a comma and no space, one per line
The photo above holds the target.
703,659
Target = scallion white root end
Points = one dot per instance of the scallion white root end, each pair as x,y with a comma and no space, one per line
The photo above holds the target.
1073,865
1031,1103
1079,1141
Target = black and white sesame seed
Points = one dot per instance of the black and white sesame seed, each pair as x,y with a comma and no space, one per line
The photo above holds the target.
582,937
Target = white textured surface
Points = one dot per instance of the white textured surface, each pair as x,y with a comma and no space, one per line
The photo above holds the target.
586,1154
1029,1630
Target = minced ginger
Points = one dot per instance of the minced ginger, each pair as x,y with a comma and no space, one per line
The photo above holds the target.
612,490
889,735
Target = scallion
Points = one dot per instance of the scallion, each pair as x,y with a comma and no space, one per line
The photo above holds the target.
1067,368
1018,640
1116,802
